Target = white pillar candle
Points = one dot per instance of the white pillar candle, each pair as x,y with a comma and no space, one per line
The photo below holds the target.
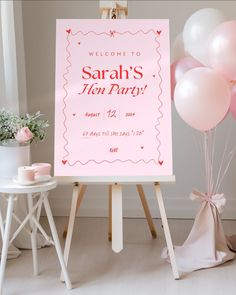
26,173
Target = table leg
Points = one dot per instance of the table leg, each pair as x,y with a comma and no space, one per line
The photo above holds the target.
38,214
1,224
56,241
166,231
6,237
23,223
117,222
33,236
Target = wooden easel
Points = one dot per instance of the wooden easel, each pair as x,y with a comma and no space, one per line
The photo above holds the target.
143,201
113,10
115,208
118,9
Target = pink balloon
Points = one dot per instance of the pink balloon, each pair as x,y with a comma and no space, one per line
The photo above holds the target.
180,67
178,50
185,64
222,49
233,102
202,98
224,116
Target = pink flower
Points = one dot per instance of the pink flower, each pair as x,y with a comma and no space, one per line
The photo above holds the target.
23,135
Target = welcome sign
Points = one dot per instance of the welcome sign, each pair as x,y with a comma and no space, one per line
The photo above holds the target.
113,106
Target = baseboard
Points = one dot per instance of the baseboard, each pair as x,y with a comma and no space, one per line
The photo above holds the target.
176,207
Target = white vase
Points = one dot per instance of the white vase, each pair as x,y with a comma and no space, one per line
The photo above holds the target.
12,156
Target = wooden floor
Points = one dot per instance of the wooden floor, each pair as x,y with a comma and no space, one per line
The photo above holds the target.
137,270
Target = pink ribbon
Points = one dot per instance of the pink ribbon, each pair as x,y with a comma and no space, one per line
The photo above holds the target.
217,200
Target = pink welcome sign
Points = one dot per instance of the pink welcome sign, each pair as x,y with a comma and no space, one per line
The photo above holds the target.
113,106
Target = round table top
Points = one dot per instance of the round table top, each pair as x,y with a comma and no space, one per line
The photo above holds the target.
10,187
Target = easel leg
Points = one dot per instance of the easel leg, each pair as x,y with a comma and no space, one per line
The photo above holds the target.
166,231
33,236
81,194
117,222
146,210
110,215
5,242
75,195
56,241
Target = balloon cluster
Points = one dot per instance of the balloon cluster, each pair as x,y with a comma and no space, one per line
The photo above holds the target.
203,77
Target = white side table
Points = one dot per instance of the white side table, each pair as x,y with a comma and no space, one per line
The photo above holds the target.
10,191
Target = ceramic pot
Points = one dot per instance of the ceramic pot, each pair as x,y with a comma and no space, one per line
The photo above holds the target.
12,156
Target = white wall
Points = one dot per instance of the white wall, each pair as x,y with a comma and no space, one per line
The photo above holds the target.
39,33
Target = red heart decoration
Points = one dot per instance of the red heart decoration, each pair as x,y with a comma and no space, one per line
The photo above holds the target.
68,31
64,162
160,162
159,32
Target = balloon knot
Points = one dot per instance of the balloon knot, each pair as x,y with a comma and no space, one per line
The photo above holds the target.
233,82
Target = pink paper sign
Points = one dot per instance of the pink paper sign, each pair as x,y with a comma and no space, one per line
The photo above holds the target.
113,106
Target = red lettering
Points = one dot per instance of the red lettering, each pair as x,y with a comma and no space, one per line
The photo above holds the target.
113,150
86,73
140,74
117,74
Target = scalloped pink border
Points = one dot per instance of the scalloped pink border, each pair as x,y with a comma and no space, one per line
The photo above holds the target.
111,33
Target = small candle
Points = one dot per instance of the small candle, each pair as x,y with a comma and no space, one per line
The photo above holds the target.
26,173
42,168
